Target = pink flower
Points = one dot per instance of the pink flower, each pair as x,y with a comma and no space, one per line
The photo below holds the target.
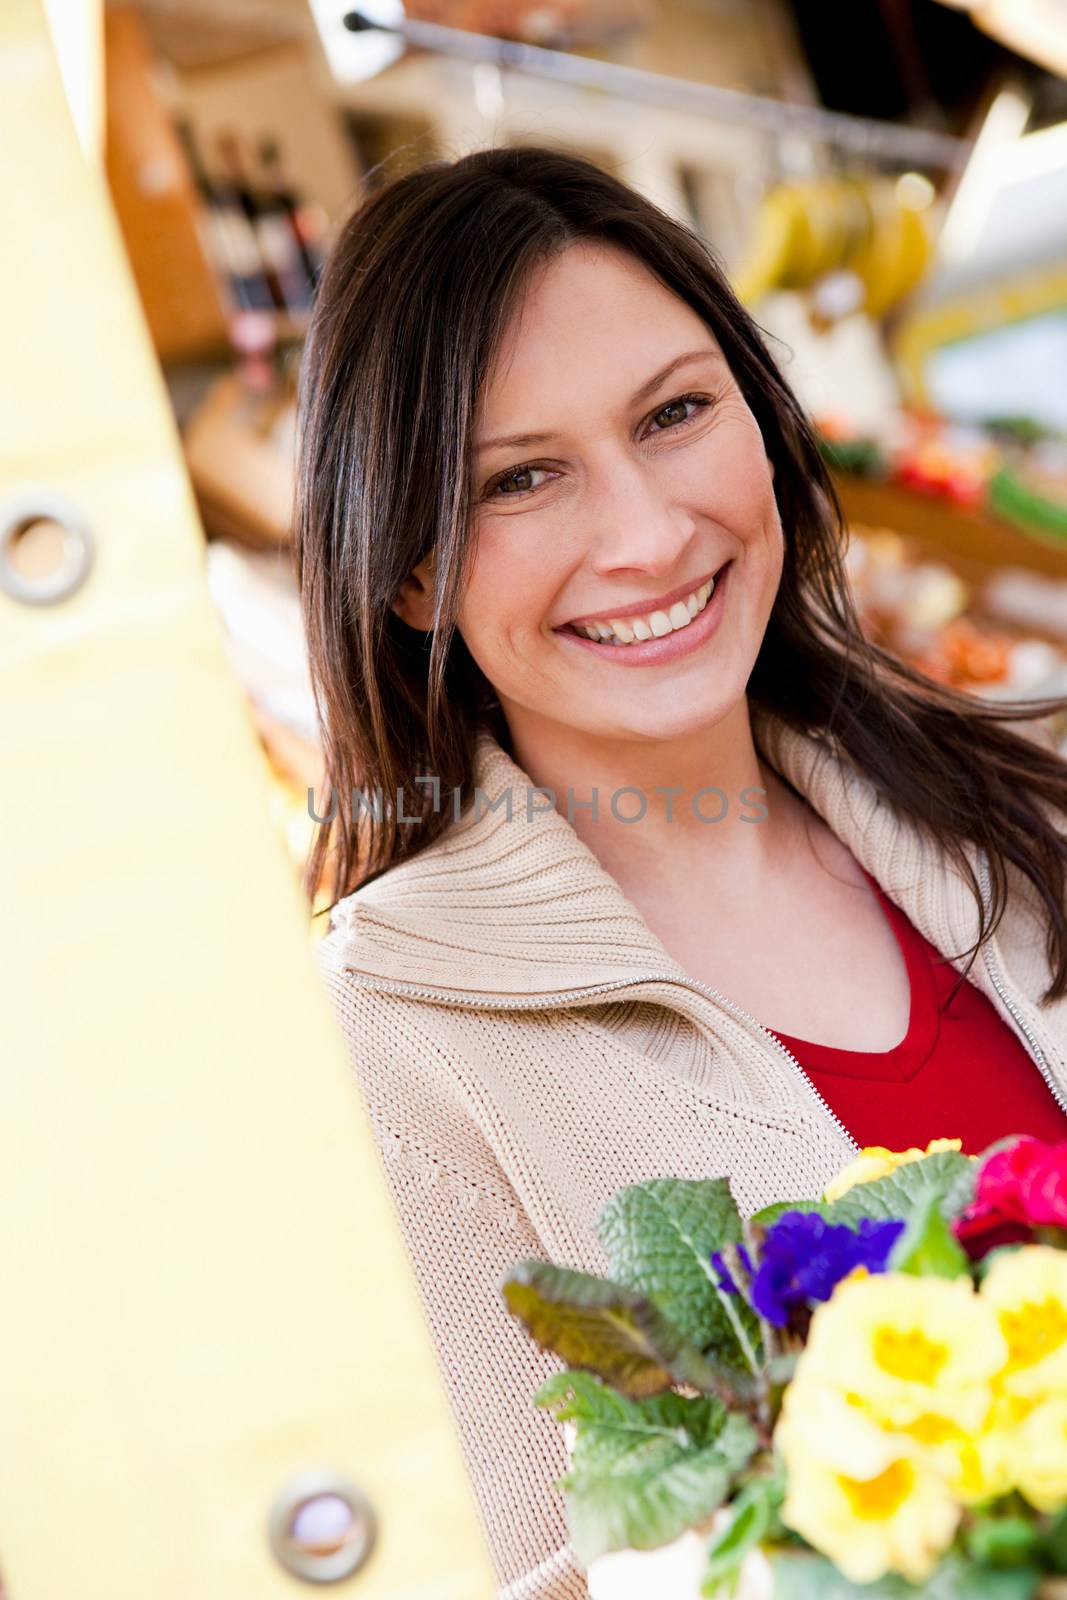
1019,1188
1046,1191
1026,1182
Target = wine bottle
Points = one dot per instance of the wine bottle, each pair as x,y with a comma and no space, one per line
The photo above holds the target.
220,243
281,249
224,233
306,221
237,205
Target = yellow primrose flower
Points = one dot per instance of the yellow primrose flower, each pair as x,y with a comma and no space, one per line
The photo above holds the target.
875,1161
837,1430
908,1348
1039,1454
978,1464
864,1497
1027,1291
816,1419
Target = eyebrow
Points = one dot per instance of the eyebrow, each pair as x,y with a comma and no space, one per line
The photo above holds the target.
521,440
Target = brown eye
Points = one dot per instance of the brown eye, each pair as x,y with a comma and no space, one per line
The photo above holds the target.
514,480
519,479
677,407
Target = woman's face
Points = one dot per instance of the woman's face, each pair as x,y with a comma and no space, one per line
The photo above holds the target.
644,512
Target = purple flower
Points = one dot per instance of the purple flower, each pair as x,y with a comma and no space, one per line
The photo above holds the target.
804,1257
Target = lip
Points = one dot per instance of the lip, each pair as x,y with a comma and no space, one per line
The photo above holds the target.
654,652
643,608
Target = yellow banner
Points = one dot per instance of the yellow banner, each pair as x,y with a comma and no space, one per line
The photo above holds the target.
204,1291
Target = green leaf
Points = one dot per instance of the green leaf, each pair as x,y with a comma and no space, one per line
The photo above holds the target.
1009,1540
1054,1543
609,1422
753,1515
949,1175
809,1577
643,1471
928,1247
607,1328
948,1171
659,1236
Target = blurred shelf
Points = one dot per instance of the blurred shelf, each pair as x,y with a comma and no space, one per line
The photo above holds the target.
971,540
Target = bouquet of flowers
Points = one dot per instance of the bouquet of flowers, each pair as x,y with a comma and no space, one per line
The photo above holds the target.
860,1395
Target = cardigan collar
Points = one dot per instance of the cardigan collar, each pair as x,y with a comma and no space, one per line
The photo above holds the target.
522,907
497,912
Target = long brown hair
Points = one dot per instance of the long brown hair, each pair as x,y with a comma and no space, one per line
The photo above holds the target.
411,307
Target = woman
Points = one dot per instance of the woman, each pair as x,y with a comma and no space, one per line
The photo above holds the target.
646,862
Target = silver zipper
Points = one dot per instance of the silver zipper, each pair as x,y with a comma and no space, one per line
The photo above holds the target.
565,996
995,977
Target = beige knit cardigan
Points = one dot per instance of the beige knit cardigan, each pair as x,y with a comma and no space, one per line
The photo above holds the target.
525,1046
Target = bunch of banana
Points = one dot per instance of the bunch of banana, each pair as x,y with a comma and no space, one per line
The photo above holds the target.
871,227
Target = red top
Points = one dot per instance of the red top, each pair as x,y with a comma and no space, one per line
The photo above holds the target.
960,1072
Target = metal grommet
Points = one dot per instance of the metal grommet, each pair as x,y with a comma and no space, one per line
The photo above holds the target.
21,511
322,1527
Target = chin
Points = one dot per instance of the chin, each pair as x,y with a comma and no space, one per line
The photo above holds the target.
663,724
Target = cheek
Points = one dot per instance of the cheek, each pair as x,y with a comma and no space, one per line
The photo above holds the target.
746,491
521,564
505,598
728,477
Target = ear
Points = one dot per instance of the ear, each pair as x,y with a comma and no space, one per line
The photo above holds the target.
414,603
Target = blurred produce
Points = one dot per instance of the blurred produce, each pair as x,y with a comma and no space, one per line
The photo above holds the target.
1028,601
1030,488
897,593
949,459
924,612
854,242
1013,473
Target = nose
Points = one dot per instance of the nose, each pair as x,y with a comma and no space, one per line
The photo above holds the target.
639,526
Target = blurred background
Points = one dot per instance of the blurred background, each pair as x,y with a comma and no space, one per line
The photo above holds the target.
886,183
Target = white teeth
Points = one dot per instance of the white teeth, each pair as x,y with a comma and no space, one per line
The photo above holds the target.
624,631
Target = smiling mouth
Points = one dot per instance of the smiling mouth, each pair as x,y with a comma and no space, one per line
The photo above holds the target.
656,623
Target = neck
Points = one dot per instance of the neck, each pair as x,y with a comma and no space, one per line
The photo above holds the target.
705,806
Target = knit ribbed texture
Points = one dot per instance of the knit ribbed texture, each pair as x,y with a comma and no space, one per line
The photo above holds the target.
506,1112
